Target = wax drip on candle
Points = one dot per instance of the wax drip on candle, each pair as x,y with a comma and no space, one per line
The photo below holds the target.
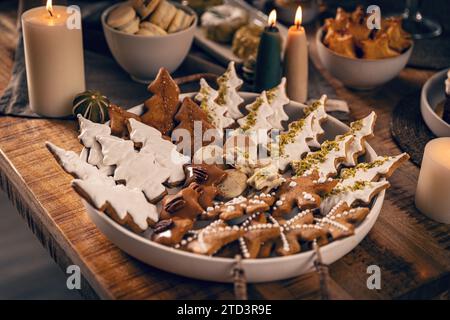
49,7
298,17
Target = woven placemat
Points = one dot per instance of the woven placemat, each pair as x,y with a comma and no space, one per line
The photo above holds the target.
409,129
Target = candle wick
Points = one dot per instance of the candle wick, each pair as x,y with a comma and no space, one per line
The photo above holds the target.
51,14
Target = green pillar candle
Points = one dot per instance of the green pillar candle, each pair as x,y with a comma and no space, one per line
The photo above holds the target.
268,62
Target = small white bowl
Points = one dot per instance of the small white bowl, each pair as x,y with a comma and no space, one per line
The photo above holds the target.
433,92
142,56
362,74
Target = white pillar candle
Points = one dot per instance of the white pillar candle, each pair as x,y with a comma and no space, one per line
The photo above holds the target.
296,61
54,60
433,188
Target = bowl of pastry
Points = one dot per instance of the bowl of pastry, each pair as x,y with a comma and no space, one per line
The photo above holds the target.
435,103
191,207
361,57
144,35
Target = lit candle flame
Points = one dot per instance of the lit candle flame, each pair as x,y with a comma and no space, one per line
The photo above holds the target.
50,7
298,17
273,18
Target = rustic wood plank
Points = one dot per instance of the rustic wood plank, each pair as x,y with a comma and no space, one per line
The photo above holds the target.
412,251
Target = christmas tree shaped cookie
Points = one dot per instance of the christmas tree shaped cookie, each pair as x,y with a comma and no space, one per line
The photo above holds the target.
137,169
88,132
360,130
277,99
165,152
192,121
228,95
317,108
217,114
324,161
163,105
256,121
371,171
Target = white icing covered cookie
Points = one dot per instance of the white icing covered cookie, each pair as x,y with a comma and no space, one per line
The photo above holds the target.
360,130
317,108
361,191
291,145
119,202
164,151
266,178
371,171
137,169
216,113
256,121
76,166
88,132
325,161
277,99
229,84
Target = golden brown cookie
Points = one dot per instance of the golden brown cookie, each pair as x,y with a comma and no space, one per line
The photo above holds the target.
163,105
118,120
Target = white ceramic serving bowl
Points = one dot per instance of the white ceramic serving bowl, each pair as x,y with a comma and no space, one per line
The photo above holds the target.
142,56
362,74
217,268
433,92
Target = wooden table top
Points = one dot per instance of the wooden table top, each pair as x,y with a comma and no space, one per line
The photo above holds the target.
411,250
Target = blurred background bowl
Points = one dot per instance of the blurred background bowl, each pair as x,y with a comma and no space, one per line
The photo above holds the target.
361,74
433,93
142,56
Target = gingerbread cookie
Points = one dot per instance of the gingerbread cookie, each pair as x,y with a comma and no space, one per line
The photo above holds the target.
208,177
239,206
303,192
124,205
228,96
194,122
171,231
256,234
212,238
150,140
340,221
137,169
163,105
184,204
118,118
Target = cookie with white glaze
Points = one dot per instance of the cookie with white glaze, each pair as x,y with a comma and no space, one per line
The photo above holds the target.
256,121
77,167
88,132
360,191
229,84
150,140
292,144
216,113
126,206
136,169
277,99
324,161
360,130
371,171
317,108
